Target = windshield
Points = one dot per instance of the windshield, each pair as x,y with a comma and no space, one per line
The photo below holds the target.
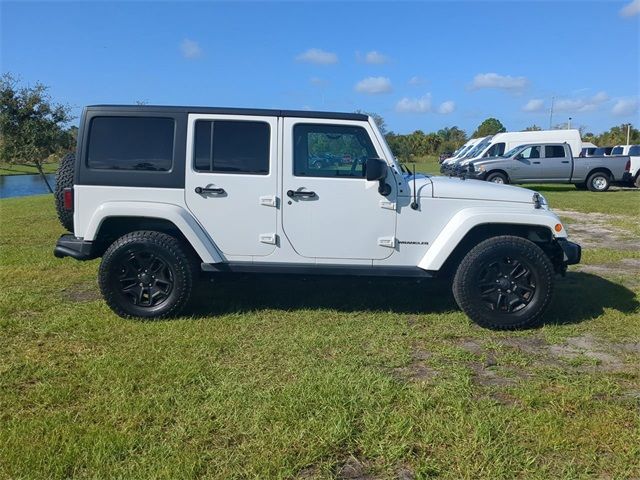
477,150
513,152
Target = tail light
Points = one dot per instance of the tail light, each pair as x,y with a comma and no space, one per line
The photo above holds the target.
68,198
627,167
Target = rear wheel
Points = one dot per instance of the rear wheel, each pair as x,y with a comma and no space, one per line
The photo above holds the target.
504,283
497,177
598,182
147,274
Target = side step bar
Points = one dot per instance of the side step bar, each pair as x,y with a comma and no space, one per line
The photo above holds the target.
317,269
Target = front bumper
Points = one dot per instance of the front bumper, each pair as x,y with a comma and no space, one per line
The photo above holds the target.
571,252
71,246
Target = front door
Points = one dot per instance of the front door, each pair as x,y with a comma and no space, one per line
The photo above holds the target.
231,181
527,166
330,211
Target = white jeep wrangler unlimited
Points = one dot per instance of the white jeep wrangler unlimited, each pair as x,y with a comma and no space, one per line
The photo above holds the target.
164,193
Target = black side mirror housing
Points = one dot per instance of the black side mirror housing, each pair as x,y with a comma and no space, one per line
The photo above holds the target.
375,169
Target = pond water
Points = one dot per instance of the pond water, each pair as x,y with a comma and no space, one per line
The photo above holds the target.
23,185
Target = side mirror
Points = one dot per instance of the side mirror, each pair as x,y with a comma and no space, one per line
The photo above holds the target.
518,156
375,169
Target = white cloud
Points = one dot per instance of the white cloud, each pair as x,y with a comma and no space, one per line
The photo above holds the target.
534,105
317,56
414,105
447,107
416,80
584,104
625,107
376,58
501,82
374,85
318,82
631,9
190,49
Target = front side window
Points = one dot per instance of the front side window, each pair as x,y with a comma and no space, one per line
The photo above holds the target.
330,150
530,152
635,150
228,146
496,150
131,143
554,151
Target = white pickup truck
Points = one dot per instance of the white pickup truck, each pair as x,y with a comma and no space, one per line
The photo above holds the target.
552,163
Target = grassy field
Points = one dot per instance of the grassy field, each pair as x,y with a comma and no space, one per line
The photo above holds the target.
273,377
9,169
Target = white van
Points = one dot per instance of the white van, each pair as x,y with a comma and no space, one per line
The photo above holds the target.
463,150
503,142
475,145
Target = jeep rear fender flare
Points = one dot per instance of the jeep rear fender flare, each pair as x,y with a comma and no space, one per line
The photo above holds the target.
179,216
463,221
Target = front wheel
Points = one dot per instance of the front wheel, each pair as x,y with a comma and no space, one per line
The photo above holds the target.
504,283
497,177
147,274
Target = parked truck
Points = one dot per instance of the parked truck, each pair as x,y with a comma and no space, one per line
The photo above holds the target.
552,163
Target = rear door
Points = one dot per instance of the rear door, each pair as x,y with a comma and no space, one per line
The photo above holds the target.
231,181
556,164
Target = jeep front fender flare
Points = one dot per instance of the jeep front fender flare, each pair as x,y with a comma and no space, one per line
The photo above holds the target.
180,217
463,221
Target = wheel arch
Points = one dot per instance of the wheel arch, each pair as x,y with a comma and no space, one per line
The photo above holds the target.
467,229
499,170
111,221
600,169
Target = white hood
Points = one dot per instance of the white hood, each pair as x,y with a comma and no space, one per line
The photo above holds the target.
454,187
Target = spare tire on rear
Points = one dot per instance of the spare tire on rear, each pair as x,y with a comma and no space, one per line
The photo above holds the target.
64,179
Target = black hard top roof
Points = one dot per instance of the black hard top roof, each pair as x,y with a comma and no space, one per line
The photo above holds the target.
230,111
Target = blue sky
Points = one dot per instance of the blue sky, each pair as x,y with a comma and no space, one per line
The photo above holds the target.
421,65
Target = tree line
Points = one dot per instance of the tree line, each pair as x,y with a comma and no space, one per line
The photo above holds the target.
35,129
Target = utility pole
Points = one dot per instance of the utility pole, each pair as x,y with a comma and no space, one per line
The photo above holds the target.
551,113
569,124
628,132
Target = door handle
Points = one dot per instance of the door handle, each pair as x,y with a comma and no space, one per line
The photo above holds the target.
214,191
297,193
536,163
565,161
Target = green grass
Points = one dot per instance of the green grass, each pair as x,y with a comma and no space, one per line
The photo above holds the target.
9,169
278,377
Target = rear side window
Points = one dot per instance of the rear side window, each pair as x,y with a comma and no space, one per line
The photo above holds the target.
554,151
616,151
226,146
131,143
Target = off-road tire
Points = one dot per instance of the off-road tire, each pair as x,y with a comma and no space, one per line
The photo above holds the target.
468,278
496,176
180,262
64,179
599,178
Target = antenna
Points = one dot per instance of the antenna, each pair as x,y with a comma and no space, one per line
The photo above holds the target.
414,204
551,114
